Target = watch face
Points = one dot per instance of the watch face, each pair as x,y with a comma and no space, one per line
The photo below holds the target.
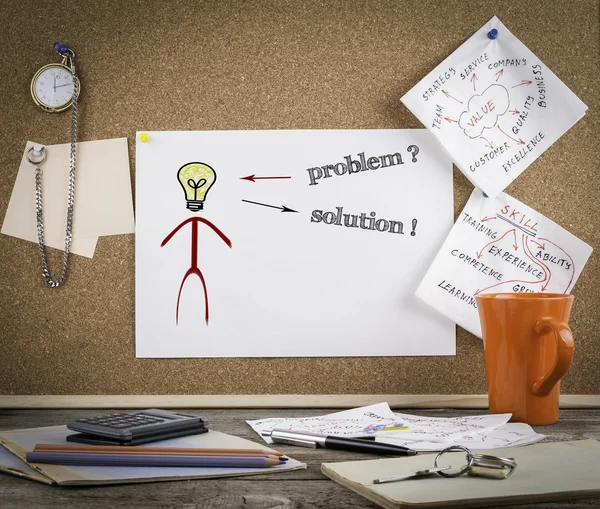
53,87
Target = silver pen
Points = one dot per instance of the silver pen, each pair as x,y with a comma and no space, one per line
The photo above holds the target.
308,439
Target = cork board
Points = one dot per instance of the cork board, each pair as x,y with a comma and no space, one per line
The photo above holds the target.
159,65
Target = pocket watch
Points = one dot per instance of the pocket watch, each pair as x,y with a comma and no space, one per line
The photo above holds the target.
52,85
54,88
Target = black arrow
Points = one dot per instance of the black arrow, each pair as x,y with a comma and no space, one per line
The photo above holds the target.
283,208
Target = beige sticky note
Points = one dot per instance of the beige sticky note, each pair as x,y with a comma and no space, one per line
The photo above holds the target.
103,200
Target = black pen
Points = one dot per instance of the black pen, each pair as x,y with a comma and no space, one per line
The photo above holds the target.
306,439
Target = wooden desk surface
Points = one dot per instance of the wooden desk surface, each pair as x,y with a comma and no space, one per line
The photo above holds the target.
292,490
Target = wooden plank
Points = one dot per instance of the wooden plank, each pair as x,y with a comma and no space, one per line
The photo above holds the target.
206,494
271,401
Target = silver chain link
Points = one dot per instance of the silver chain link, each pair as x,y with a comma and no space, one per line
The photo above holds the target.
70,200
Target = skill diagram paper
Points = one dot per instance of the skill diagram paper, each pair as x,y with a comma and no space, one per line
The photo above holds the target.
494,106
289,243
500,245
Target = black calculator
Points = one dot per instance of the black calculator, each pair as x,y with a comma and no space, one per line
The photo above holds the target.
134,428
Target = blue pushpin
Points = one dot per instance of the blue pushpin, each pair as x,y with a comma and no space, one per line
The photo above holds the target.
493,34
485,195
61,48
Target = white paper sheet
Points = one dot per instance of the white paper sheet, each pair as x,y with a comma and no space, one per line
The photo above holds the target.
509,435
421,433
356,422
292,283
444,429
12,464
500,245
494,106
103,199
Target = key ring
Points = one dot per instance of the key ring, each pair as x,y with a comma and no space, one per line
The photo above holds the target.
479,465
455,448
41,153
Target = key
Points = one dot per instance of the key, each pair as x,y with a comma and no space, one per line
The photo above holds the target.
410,475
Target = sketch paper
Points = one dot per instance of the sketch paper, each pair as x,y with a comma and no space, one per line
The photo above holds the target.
356,422
509,435
500,245
103,199
494,106
421,433
289,243
443,429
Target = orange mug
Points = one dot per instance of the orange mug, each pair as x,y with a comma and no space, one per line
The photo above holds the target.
528,348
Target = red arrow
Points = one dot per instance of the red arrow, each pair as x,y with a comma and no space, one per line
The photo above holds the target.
517,280
541,246
519,141
523,82
489,142
487,219
480,254
506,282
448,95
252,178
473,79
514,112
572,263
450,120
515,245
529,254
499,73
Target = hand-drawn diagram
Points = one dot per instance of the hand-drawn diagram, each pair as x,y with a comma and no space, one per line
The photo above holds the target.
444,428
499,245
511,434
484,111
536,259
494,107
200,192
363,421
343,427
483,431
196,179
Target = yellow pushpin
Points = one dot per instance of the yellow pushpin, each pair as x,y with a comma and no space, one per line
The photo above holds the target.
144,137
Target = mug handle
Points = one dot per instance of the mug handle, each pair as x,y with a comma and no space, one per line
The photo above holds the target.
564,354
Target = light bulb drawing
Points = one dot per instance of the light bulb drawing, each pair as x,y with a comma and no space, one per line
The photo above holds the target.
196,179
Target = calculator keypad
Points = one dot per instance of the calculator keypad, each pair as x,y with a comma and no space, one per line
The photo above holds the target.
121,421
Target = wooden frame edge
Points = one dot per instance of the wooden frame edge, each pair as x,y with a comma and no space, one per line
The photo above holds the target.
270,401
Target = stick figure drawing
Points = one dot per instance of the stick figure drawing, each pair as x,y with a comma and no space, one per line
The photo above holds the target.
195,178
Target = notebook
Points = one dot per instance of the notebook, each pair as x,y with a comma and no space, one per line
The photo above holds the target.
545,472
18,442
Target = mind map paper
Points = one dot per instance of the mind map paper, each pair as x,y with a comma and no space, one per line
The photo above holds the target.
500,245
494,106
